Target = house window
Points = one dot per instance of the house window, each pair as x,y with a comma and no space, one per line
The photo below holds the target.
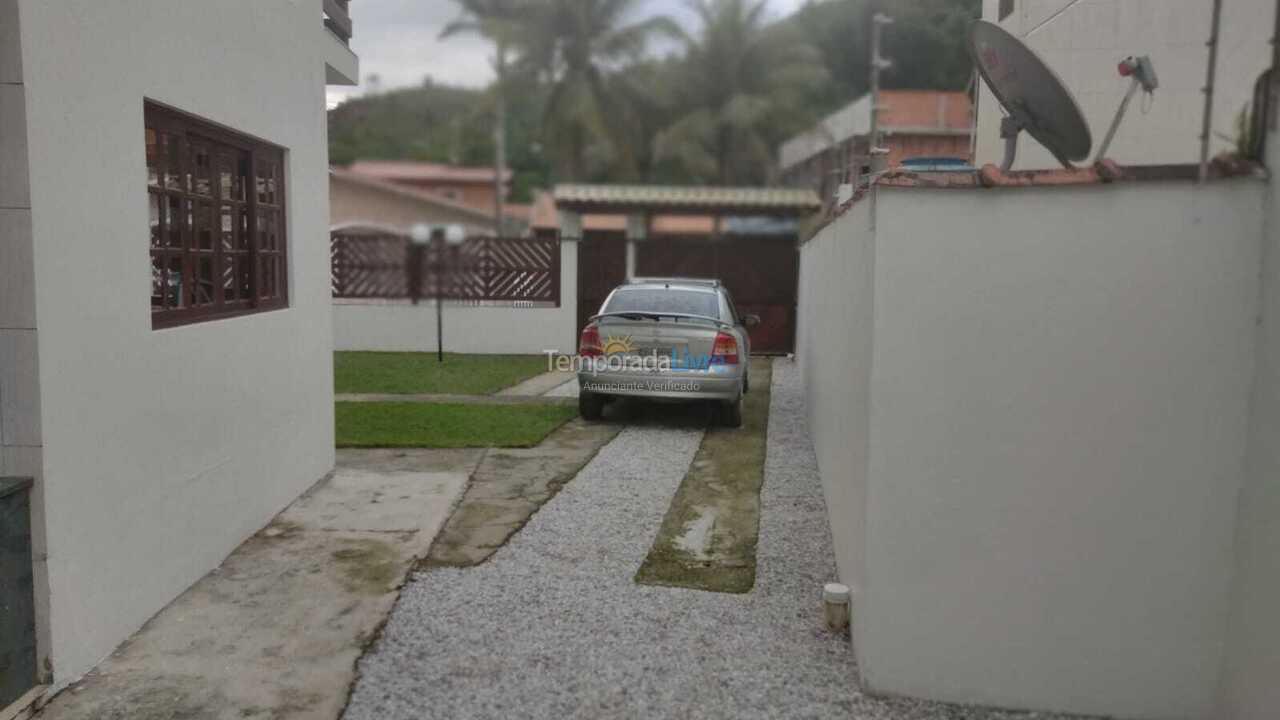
1006,9
216,204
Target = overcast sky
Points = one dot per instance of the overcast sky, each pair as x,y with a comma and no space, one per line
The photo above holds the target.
398,40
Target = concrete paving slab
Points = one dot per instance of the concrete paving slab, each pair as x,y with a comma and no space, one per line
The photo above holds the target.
538,385
568,389
275,631
374,501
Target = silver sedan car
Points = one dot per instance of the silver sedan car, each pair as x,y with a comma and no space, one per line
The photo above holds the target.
667,339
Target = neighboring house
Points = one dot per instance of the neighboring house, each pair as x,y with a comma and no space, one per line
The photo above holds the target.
914,123
473,186
165,339
1083,42
360,201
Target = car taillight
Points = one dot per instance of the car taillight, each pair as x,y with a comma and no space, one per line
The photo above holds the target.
725,351
589,345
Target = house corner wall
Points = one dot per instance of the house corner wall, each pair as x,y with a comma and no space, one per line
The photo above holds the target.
21,441
164,449
1251,671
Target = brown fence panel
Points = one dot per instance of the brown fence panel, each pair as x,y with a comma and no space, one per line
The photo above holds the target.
369,266
481,269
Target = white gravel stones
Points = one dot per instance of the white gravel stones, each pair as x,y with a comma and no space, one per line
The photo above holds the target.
554,627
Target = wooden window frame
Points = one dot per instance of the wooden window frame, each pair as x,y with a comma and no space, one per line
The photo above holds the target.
252,264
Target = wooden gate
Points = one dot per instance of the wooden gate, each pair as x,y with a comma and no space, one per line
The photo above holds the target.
602,266
761,272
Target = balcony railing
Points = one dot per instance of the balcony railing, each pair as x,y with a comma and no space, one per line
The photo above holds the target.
337,17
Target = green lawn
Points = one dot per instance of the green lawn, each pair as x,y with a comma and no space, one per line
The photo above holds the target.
447,426
408,373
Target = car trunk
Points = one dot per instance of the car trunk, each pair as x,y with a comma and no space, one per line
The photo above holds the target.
688,342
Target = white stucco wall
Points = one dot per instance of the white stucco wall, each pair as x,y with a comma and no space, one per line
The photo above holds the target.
1251,674
1084,40
403,327
1056,419
165,449
834,349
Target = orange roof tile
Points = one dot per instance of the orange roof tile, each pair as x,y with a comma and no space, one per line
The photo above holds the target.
411,171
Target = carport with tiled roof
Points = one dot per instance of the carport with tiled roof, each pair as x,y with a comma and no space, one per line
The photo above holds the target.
746,237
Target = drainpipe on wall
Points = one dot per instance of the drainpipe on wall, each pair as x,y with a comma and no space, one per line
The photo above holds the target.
1212,73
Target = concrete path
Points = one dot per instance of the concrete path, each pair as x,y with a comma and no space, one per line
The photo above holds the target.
444,399
275,631
547,387
538,385
568,389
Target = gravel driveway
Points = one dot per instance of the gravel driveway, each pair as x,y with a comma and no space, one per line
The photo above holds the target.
554,627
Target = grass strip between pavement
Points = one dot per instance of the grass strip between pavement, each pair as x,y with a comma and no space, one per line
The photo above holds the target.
708,537
428,425
408,373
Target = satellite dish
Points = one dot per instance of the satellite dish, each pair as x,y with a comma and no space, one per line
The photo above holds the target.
1032,95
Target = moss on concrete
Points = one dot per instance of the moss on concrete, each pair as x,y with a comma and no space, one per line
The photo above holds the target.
368,566
708,537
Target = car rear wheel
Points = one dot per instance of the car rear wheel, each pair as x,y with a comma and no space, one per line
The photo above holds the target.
590,406
731,413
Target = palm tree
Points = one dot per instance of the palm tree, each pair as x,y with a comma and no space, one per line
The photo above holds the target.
744,88
581,45
504,22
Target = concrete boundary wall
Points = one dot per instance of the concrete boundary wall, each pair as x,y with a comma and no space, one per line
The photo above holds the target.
1251,674
1030,409
396,326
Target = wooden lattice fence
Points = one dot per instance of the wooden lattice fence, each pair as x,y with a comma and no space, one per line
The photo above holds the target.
520,271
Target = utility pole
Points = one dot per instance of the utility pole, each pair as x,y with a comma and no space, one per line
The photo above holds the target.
1212,72
878,64
500,140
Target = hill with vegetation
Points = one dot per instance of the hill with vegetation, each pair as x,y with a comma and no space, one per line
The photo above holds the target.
585,98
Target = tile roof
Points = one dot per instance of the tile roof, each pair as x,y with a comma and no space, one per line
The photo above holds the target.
546,217
421,196
691,199
411,171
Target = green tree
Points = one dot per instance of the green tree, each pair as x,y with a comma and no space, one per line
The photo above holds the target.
581,48
928,43
504,22
743,89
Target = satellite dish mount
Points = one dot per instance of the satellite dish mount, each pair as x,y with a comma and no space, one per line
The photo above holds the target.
1033,98
1011,126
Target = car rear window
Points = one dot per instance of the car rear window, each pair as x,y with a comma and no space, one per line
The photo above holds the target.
665,300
